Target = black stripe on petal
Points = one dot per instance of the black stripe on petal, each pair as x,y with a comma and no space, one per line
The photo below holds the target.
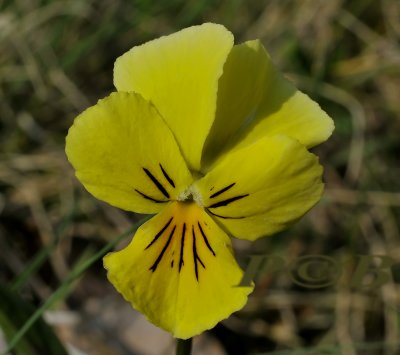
219,192
167,176
149,198
224,217
227,201
182,246
196,257
205,239
159,233
154,266
156,182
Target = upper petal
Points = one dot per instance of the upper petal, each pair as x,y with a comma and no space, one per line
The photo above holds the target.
240,90
179,271
179,73
263,187
255,100
115,149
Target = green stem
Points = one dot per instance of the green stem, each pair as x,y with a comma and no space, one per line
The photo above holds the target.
183,346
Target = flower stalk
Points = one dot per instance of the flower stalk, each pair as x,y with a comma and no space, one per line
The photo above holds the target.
184,346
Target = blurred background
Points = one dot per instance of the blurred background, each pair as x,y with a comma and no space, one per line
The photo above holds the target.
56,59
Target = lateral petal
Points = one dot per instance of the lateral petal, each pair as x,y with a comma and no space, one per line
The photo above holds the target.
115,149
179,271
263,187
179,73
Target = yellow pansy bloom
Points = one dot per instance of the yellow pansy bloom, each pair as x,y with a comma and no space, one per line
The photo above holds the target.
211,138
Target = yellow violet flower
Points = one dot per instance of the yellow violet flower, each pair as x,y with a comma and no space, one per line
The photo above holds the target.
211,138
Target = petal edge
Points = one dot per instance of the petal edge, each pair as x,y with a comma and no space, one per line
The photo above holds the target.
179,296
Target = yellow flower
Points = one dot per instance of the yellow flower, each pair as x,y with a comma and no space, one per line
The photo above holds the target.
213,140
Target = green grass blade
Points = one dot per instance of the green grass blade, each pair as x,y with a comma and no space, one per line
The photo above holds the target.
63,288
39,259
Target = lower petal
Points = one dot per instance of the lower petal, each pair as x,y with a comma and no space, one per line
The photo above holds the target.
179,270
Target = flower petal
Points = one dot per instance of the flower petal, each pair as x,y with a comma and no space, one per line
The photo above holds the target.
179,73
115,149
179,271
240,90
254,97
262,188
